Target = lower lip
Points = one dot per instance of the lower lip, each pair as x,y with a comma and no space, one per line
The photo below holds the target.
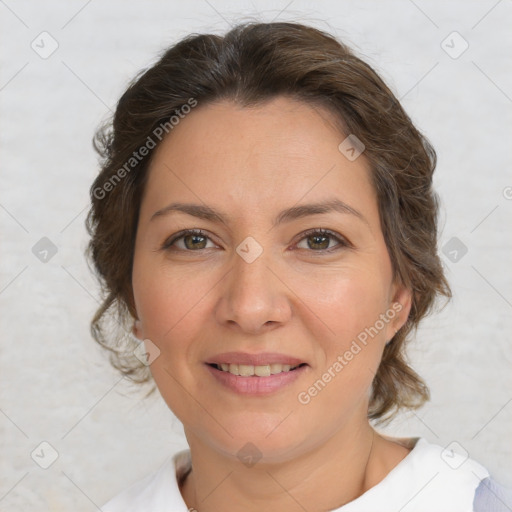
256,385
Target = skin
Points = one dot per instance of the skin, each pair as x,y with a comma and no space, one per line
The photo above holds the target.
197,300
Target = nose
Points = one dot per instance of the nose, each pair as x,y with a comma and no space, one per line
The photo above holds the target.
254,298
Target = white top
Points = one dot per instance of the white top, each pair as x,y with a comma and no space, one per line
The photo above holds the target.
429,479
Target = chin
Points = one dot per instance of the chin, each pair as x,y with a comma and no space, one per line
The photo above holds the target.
263,436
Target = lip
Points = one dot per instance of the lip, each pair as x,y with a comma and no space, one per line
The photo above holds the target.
256,386
254,359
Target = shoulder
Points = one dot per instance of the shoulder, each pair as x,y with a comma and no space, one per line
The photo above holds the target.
430,478
490,496
156,492
460,480
451,476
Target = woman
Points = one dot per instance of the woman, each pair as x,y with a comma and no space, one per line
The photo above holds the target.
264,224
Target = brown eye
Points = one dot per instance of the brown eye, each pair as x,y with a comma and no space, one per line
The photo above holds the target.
194,241
319,240
188,240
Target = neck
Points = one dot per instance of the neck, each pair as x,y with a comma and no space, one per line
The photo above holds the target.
344,467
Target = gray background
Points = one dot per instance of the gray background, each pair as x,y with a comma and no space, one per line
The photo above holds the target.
57,385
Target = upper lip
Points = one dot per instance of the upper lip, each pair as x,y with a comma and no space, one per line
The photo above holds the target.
261,359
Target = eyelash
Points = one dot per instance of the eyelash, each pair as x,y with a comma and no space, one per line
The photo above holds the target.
343,242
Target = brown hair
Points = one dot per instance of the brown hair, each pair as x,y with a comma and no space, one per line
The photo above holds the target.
252,63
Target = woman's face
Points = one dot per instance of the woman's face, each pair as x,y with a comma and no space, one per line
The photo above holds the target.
259,286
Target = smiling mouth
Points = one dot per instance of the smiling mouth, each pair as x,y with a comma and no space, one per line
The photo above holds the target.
247,370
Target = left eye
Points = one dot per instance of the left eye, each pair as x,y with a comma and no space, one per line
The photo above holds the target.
320,239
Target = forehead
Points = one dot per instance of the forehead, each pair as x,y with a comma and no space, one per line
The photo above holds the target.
278,153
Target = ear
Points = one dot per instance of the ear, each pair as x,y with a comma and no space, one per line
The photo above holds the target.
399,309
137,329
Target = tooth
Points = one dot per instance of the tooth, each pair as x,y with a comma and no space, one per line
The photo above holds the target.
276,368
246,370
262,371
249,370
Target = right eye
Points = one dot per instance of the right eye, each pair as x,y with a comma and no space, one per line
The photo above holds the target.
192,240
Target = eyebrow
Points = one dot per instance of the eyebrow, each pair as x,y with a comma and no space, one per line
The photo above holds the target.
295,212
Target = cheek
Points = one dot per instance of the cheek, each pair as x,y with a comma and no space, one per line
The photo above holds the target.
346,300
171,310
350,305
165,298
